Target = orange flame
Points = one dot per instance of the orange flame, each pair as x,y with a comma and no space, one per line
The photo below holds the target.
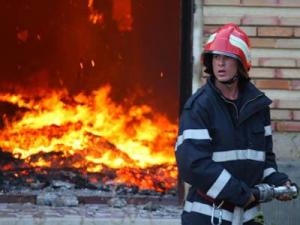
95,17
90,132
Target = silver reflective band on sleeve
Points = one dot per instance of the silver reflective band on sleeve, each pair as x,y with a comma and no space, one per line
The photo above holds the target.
232,155
197,134
226,215
219,184
268,130
268,172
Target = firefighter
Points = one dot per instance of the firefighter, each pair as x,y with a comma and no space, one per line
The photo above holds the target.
224,145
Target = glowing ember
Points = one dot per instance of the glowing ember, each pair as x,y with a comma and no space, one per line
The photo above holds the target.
89,132
121,13
95,16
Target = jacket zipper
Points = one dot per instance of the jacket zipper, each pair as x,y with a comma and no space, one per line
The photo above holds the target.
236,109
243,106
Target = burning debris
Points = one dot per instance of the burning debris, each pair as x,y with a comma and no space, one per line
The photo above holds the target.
61,128
88,141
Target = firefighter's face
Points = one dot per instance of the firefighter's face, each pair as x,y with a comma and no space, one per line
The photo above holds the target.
224,67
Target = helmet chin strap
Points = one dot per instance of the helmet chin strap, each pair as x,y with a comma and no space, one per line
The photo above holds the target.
230,81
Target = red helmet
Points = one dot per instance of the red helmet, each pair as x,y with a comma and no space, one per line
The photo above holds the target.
230,40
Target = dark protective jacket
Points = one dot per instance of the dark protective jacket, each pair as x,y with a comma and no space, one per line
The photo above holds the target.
223,151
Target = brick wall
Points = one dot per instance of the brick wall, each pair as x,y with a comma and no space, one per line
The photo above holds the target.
274,30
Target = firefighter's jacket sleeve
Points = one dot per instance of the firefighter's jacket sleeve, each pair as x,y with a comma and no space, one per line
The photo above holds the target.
271,174
194,159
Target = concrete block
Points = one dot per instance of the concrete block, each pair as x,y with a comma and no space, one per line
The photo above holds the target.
286,145
290,43
275,43
275,53
263,42
283,94
284,99
285,104
261,73
261,12
281,114
255,62
296,114
295,85
276,62
208,30
275,31
260,20
289,3
259,3
221,19
250,31
275,73
287,213
221,2
290,21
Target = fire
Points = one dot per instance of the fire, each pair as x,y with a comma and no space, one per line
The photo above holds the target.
95,16
90,132
121,14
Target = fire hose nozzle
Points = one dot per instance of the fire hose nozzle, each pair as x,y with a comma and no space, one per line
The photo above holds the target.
265,193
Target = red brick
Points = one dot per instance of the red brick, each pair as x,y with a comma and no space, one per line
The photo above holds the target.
297,32
273,84
275,31
288,126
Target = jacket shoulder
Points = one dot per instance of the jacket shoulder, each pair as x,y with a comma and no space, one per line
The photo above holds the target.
195,97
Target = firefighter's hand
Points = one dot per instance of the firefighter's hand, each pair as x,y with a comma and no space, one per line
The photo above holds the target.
251,199
285,197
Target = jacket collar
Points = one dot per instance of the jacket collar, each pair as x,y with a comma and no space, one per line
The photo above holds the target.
253,100
248,91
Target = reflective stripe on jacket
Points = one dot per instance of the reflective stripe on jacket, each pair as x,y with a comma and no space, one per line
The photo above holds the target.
221,157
